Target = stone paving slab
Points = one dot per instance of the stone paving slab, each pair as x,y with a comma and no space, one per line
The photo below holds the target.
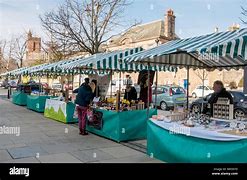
23,160
121,151
140,158
58,148
91,155
4,155
59,158
28,151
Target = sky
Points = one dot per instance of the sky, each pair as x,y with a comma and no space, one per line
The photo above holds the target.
193,17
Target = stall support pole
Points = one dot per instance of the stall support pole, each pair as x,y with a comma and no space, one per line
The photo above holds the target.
148,104
72,81
111,84
203,79
39,87
188,76
79,79
156,86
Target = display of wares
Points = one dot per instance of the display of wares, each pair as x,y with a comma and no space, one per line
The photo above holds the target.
189,122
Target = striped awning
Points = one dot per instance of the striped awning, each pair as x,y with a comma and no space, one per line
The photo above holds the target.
111,61
223,50
15,72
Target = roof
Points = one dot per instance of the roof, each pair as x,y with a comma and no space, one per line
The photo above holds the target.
141,32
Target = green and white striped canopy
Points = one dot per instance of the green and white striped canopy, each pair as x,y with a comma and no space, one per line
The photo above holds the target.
15,72
223,50
110,61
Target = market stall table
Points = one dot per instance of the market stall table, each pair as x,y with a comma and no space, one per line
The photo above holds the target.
60,111
37,102
19,98
173,142
123,126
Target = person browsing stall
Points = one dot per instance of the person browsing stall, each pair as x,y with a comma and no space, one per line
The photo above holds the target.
219,92
83,99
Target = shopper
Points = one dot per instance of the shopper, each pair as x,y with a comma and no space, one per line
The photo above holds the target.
219,92
86,82
83,100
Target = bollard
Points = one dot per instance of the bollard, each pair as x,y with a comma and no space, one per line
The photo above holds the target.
8,92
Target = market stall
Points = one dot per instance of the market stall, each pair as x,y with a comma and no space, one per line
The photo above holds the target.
182,137
117,119
60,111
176,142
122,126
19,98
37,102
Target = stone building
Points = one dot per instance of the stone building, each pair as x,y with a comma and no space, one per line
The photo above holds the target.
146,35
34,53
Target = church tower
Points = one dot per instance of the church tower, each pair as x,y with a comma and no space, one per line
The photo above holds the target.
33,49
170,24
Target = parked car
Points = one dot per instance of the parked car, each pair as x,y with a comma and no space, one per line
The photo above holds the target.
239,99
168,96
198,91
12,84
57,86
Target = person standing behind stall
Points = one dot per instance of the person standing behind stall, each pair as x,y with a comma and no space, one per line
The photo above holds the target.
83,100
219,92
130,93
144,91
96,92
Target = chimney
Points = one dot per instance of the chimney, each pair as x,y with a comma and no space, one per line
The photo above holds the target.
216,29
170,24
234,27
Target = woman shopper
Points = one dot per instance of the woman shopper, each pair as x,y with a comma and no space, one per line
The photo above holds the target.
83,100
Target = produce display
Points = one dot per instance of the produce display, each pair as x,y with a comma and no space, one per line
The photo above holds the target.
124,105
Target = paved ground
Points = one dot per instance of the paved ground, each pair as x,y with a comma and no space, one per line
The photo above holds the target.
43,140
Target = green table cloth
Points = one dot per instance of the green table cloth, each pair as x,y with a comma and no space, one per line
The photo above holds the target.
123,126
37,103
176,148
60,111
19,98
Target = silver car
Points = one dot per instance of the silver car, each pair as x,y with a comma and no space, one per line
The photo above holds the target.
169,96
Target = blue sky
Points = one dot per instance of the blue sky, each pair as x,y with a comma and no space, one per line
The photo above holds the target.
193,17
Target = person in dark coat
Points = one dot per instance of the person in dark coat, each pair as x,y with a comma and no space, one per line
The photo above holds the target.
130,93
86,82
96,92
83,99
219,92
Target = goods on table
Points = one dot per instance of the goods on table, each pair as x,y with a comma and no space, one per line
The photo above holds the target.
223,109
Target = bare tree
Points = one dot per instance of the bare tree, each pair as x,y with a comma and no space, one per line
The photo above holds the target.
7,61
83,25
202,74
19,51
